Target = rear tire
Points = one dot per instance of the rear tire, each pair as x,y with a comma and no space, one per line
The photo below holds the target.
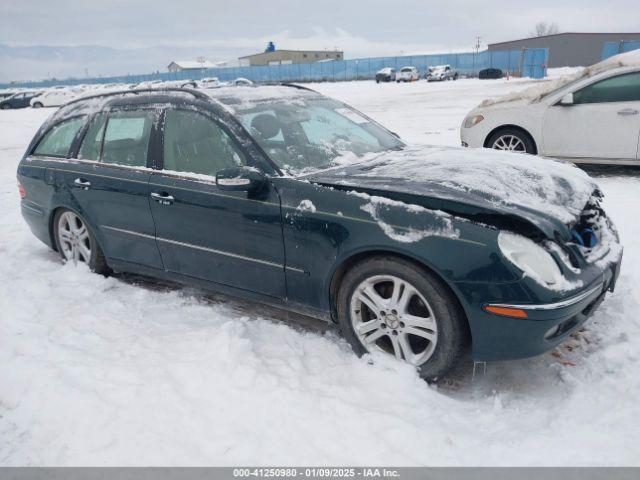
75,241
512,140
37,105
5,107
423,316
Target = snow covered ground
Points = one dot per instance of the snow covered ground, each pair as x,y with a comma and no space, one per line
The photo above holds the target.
112,371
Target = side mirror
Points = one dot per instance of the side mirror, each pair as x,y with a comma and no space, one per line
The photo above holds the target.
241,179
567,99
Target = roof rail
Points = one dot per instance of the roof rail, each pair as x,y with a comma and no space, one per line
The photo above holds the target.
195,93
300,87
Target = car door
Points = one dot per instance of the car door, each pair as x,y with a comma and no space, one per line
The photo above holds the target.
53,99
602,122
109,182
18,100
231,238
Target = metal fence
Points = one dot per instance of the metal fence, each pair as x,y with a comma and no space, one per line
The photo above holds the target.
614,48
525,62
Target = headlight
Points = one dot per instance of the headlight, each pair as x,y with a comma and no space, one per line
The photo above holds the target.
473,120
530,257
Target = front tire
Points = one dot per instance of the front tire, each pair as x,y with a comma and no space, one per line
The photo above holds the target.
37,105
76,243
391,305
512,140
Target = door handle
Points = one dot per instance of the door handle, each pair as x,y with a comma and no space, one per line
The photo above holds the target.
628,111
162,198
82,183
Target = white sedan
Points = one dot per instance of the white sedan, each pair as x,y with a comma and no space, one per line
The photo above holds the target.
407,74
591,117
56,97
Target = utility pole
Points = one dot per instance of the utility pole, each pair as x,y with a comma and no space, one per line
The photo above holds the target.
476,53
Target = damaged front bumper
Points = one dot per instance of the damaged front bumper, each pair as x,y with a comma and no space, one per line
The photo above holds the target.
546,324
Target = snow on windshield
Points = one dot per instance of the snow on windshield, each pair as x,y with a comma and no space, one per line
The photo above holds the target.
629,59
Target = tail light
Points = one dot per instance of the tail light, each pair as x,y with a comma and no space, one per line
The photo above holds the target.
23,192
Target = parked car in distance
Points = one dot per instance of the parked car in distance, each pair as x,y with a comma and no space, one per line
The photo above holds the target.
281,195
240,82
55,97
386,74
490,74
178,83
18,100
440,73
407,74
209,82
6,94
590,117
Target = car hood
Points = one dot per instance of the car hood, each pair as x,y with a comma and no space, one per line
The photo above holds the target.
480,184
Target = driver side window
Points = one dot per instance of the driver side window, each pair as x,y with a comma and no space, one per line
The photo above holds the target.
622,88
194,143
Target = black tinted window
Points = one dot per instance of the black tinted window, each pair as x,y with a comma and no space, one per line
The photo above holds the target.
623,88
57,142
196,144
126,138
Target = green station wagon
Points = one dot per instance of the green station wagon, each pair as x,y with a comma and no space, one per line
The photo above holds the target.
280,195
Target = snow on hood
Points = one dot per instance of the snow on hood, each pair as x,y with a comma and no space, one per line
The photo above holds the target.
510,181
629,59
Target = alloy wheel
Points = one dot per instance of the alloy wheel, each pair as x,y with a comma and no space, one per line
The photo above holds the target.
73,238
389,314
510,143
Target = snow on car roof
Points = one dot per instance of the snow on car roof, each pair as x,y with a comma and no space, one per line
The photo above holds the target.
245,96
628,59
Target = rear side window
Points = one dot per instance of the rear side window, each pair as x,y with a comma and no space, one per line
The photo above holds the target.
623,88
196,144
57,142
126,138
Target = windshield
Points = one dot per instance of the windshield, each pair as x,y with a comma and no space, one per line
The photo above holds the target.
302,135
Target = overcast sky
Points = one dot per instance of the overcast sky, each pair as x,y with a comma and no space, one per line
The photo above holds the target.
219,28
